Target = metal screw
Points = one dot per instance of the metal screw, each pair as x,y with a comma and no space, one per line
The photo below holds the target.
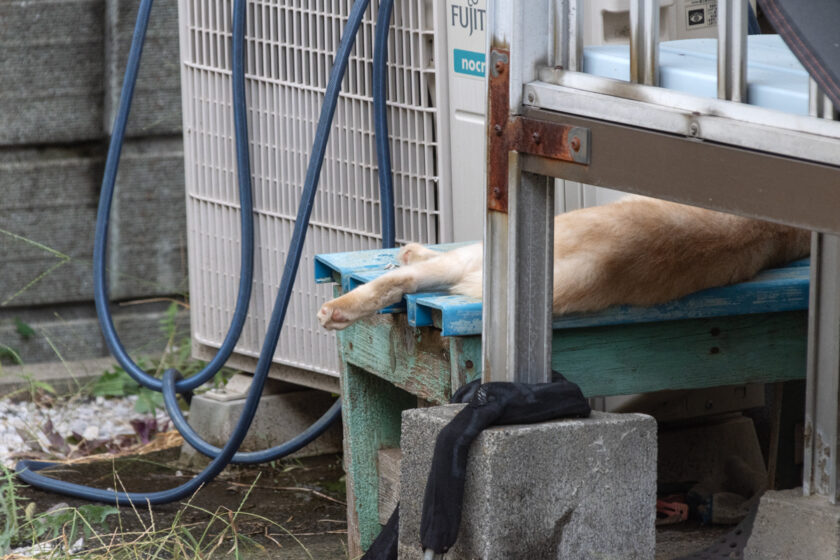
575,143
693,129
498,129
536,137
499,66
531,97
497,192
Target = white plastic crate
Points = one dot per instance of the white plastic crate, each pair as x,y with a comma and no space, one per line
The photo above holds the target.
290,47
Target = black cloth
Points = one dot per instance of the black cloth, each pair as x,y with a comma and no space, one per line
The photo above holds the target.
385,545
812,31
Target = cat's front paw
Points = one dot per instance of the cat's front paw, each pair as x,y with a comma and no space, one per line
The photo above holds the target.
334,315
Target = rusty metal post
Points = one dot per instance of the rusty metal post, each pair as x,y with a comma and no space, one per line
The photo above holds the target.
518,244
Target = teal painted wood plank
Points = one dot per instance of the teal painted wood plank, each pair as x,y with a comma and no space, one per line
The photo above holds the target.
371,412
465,359
605,360
414,359
418,314
689,354
455,315
344,264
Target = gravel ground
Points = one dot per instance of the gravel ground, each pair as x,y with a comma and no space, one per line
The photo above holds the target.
28,427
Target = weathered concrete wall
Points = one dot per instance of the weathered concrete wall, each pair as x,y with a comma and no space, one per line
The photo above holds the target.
62,63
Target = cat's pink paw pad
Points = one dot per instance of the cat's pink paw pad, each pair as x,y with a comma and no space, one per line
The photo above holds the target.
332,317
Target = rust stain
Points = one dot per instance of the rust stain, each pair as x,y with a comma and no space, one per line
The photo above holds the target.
498,140
519,134
544,139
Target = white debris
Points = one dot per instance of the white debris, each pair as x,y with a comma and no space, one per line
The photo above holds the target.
49,549
23,425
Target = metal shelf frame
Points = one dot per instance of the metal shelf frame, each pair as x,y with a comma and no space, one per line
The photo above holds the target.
546,120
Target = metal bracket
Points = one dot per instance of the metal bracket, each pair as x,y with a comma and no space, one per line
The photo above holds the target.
508,133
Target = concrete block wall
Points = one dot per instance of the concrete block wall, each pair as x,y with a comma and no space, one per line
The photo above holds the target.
62,63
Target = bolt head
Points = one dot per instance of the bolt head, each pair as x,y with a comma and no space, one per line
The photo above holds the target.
498,129
575,144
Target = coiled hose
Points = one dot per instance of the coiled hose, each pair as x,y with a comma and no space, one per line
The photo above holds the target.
171,384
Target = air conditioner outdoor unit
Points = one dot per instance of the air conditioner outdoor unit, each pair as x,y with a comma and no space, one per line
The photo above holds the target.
436,98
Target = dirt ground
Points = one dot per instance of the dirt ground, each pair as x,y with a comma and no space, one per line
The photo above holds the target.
292,509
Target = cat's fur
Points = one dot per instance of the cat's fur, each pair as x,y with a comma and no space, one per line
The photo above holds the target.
637,251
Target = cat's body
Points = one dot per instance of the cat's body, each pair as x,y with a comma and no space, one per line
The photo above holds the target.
637,251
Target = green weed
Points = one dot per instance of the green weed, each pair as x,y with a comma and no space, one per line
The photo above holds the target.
97,532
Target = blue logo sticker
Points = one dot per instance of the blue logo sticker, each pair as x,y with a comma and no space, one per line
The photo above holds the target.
469,62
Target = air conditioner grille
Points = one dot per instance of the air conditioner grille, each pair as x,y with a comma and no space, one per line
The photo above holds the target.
290,48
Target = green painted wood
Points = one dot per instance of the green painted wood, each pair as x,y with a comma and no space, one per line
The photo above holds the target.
691,354
416,360
371,411
608,360
464,360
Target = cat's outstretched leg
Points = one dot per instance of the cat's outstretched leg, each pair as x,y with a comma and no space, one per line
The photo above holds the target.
435,271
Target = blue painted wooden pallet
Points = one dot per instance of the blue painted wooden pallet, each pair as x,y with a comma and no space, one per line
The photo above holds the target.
772,290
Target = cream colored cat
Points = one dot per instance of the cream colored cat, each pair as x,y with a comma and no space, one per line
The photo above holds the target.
637,251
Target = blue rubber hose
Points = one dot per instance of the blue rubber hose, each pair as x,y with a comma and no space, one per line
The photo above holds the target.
380,56
380,122
246,267
26,469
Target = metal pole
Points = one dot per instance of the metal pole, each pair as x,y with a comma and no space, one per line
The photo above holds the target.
575,61
818,103
518,238
822,392
732,50
644,42
567,37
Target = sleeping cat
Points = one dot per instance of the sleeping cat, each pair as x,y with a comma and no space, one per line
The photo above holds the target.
636,251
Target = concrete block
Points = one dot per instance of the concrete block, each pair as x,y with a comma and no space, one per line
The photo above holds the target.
72,332
570,489
279,418
156,107
50,200
790,525
52,70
